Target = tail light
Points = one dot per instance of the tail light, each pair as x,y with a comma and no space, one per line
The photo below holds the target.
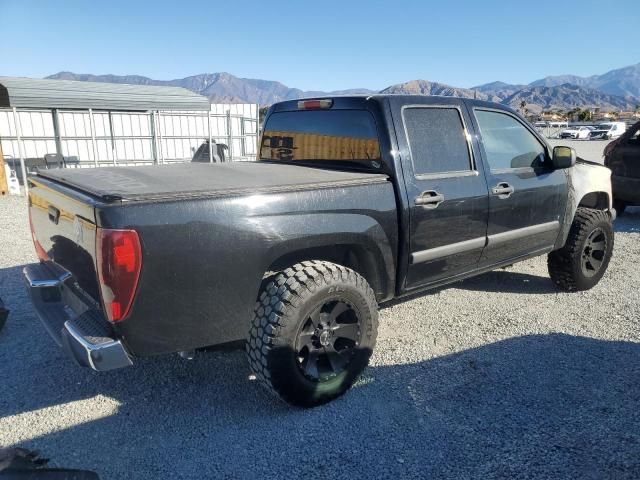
119,259
42,254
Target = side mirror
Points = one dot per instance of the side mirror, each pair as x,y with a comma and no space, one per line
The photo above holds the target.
563,157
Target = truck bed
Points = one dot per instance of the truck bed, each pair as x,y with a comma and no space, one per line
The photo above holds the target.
206,180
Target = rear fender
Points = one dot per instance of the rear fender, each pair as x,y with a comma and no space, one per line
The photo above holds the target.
354,240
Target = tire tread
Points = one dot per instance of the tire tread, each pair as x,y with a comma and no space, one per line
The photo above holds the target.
283,292
561,263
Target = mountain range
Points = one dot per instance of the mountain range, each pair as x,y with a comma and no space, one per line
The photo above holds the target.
219,87
615,90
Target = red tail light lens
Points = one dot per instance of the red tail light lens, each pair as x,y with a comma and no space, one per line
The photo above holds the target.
119,259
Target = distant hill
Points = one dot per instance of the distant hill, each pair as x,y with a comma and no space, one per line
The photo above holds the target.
537,98
499,89
615,90
425,87
622,81
219,87
569,96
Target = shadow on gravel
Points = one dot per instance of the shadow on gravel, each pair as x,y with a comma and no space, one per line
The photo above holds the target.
554,406
499,281
13,292
629,221
505,281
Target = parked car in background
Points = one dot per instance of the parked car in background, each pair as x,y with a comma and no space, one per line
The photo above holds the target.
608,130
576,132
622,156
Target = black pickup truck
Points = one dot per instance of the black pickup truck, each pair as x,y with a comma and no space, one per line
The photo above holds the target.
354,201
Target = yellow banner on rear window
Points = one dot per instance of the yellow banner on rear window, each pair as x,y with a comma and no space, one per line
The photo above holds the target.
292,146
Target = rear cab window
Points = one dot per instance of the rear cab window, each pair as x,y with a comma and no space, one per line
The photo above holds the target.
437,140
336,138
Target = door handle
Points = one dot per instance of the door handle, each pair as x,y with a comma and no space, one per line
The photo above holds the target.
502,190
430,199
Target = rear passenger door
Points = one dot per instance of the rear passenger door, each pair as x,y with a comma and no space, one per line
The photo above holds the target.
447,193
527,197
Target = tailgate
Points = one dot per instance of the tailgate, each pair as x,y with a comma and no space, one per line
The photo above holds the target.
63,222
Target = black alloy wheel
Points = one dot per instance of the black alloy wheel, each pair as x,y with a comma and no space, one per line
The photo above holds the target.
583,260
593,252
326,343
313,332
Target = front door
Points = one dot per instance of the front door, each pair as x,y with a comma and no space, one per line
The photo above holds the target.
527,197
447,191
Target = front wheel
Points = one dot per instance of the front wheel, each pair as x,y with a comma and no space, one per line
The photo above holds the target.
583,260
313,332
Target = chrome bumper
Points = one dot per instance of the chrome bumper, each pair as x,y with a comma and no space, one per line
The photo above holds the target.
72,319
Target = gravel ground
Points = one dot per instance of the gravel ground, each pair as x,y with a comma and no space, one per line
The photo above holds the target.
500,376
587,149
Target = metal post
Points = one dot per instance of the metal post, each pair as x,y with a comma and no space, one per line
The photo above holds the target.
113,142
154,138
160,137
16,120
257,139
93,138
56,132
210,137
243,139
229,136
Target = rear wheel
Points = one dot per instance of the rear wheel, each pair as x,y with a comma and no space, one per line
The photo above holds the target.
583,260
313,332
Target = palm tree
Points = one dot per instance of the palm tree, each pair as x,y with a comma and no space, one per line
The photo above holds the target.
573,113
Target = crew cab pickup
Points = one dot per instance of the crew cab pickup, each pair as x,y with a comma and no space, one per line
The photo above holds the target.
353,201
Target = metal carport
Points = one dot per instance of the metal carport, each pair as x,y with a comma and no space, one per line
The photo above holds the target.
107,98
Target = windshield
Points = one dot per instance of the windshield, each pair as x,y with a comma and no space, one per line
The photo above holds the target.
604,126
321,136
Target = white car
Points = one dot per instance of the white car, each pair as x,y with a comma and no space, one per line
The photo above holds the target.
608,130
576,132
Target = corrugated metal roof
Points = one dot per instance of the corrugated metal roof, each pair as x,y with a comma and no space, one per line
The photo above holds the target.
37,93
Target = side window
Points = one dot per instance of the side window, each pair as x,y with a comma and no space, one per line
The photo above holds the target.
508,143
437,140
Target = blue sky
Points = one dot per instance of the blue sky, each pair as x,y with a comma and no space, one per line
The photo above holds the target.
322,45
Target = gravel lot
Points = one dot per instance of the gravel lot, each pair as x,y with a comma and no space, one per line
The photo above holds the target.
587,149
500,376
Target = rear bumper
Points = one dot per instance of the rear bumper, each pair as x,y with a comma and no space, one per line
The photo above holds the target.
73,319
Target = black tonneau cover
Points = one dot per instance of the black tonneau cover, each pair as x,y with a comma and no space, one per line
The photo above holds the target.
196,179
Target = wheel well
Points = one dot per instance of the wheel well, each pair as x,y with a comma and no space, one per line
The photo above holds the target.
597,200
355,257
